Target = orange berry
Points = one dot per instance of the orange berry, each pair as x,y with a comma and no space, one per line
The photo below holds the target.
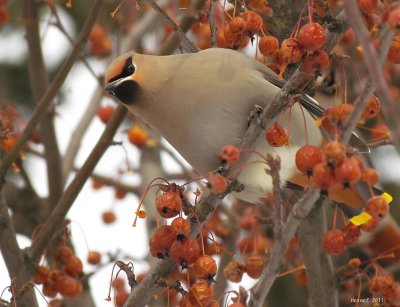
370,225
394,19
348,171
317,62
161,241
9,142
312,36
237,25
333,118
185,252
66,286
370,176
4,16
205,267
138,136
41,274
292,51
118,283
120,193
63,254
121,297
230,37
379,283
334,242
234,271
351,234
217,183
181,227
276,136
372,109
100,43
378,207
97,184
169,204
368,6
201,293
253,21
348,37
392,293
229,154
334,151
105,112
307,157
254,265
322,176
268,45
108,217
74,267
93,257
394,50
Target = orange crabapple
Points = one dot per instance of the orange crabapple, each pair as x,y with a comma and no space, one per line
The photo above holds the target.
138,136
74,267
372,109
229,154
268,45
161,241
217,183
392,293
4,16
276,136
237,25
118,283
334,242
254,265
230,37
201,293
9,142
312,36
93,257
333,118
351,234
253,22
234,271
370,176
49,289
348,172
63,254
180,226
370,225
394,50
185,252
348,37
41,274
317,62
67,286
378,284
108,217
307,157
334,151
368,7
121,297
169,204
100,43
291,50
377,206
205,267
394,19
104,113
322,176
217,225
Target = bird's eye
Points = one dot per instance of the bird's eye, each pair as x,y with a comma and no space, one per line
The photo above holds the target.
130,68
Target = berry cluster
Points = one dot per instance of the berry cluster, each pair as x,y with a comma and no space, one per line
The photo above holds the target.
4,13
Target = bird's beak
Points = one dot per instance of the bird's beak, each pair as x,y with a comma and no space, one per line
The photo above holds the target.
110,87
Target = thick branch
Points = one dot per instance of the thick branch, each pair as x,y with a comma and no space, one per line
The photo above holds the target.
60,211
13,256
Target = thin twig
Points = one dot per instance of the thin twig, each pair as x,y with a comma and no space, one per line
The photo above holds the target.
51,91
390,108
186,43
60,211
213,27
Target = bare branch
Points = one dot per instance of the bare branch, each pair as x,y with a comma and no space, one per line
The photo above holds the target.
213,27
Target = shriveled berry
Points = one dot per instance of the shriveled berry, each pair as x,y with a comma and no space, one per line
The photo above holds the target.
351,234
334,151
169,204
234,271
205,267
161,241
230,154
201,293
291,49
372,109
277,136
253,21
334,242
180,226
185,252
315,63
254,265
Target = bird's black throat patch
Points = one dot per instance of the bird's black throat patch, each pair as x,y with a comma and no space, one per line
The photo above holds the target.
128,92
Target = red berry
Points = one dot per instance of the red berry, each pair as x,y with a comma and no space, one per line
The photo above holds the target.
392,294
4,16
332,118
230,154
108,217
169,204
370,176
63,254
312,36
334,151
351,234
372,109
200,293
322,176
93,257
41,274
394,50
185,252
277,136
74,267
291,50
268,45
380,283
394,19
307,157
334,242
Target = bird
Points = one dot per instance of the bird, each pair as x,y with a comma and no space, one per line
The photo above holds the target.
200,102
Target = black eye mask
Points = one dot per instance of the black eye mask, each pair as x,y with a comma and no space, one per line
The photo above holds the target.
129,69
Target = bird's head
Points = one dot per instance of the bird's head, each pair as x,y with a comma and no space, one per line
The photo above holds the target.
122,79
